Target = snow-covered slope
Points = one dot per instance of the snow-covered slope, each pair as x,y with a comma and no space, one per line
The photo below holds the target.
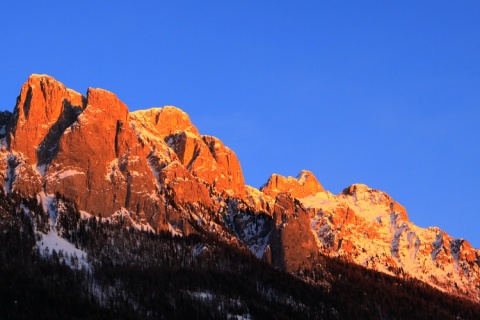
369,228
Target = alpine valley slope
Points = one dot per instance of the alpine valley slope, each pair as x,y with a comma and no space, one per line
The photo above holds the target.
156,170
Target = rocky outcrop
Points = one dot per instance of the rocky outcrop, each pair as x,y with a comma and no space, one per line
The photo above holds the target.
258,200
100,162
17,176
165,121
304,185
291,246
44,108
366,196
206,157
184,186
226,172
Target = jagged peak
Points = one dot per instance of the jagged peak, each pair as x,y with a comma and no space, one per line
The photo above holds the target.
303,185
356,187
205,156
166,120
47,83
361,192
215,143
106,101
100,90
303,175
40,76
42,103
34,77
307,178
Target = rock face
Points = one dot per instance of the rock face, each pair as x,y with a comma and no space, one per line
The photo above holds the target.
304,185
100,162
155,168
166,121
363,194
43,109
206,157
292,246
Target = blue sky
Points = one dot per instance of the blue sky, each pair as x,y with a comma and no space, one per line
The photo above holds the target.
385,93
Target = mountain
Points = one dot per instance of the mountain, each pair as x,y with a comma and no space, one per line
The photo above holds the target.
118,191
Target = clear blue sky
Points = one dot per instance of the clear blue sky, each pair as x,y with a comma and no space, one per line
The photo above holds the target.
385,93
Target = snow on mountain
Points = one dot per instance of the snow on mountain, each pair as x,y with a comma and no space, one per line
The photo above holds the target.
368,227
152,170
65,251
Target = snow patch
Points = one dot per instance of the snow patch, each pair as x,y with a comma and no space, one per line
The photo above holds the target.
40,169
66,252
68,173
47,204
199,248
199,295
155,174
174,231
124,213
85,215
112,170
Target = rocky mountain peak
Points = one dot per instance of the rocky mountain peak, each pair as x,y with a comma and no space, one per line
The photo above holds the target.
354,188
363,194
166,120
304,185
43,104
104,105
309,182
206,157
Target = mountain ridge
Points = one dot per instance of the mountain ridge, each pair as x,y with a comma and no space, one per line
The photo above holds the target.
156,169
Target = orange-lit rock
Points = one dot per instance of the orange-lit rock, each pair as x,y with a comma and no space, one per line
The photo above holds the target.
258,200
304,185
466,252
206,157
166,120
292,246
363,193
44,109
186,188
100,163
229,172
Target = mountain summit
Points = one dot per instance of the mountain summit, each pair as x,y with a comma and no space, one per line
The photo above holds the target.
153,169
